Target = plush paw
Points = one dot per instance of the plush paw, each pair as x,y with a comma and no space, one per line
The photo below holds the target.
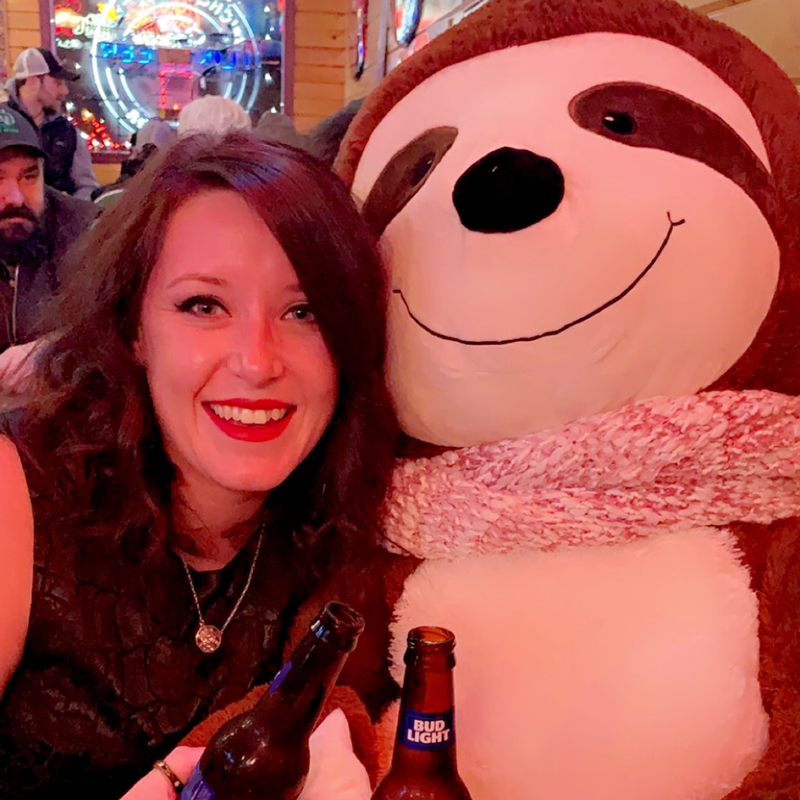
335,772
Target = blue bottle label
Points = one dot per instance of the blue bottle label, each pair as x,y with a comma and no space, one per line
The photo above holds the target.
279,678
428,731
196,788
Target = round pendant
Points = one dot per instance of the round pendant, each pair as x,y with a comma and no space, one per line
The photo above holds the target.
208,638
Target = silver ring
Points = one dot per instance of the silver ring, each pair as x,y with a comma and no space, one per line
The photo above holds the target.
166,770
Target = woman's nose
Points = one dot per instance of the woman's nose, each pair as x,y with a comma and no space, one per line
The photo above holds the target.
256,354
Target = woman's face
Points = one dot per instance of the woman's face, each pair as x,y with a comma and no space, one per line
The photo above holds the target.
242,383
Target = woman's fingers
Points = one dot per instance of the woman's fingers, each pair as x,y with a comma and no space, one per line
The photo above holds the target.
156,785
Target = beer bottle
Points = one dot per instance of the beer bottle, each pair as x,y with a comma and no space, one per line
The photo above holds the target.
424,760
263,753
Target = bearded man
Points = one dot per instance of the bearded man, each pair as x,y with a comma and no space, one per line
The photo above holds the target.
37,226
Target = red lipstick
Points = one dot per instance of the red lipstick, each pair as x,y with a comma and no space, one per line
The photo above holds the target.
265,432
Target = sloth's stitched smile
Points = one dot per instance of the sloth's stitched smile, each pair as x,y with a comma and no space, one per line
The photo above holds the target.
556,331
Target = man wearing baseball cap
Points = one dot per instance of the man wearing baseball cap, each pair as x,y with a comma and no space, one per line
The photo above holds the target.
37,90
37,226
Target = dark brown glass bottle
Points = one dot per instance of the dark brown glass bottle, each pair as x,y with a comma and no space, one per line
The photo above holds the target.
424,760
263,753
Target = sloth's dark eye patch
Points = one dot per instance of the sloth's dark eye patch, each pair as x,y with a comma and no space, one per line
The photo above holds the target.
639,115
405,174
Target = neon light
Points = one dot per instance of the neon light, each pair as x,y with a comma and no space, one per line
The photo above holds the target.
130,30
103,95
239,62
257,75
124,82
111,86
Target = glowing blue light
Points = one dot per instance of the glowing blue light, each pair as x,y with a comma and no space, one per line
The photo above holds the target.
242,60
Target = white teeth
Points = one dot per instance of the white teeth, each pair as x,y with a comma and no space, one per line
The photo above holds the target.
249,416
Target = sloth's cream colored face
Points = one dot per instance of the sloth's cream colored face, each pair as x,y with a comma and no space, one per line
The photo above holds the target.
571,225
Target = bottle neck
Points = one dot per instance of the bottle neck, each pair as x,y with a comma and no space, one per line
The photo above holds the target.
426,728
303,683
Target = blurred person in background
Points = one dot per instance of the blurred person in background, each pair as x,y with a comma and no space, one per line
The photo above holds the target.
280,128
212,114
326,137
37,226
37,90
153,136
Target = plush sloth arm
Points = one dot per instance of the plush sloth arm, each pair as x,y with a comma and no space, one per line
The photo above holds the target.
776,571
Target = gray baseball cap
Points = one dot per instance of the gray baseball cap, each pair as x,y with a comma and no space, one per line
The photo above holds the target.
16,131
37,61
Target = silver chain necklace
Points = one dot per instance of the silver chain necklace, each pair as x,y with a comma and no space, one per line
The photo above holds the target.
209,637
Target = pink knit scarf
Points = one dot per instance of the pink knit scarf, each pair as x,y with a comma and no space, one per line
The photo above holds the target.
660,464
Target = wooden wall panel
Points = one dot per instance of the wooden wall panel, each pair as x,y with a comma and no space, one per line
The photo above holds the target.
320,57
4,51
319,60
22,39
325,74
22,28
23,20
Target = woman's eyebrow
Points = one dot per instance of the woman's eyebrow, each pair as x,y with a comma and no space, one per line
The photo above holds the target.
196,276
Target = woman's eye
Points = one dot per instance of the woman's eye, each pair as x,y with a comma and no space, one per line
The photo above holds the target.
301,314
201,306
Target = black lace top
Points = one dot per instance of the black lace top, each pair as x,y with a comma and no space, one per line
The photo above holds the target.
111,678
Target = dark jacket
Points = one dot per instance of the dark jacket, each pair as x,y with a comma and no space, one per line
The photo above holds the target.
24,285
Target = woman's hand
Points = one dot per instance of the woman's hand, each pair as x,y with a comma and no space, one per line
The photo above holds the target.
335,772
17,364
156,786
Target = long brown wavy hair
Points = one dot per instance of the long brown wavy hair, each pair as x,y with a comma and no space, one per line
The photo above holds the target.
89,437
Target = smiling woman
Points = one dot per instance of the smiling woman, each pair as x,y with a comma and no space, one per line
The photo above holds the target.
206,436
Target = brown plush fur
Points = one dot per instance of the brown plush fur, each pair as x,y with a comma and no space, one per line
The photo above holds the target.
773,555
773,361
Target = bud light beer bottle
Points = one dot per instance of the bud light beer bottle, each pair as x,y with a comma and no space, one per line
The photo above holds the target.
263,753
424,760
